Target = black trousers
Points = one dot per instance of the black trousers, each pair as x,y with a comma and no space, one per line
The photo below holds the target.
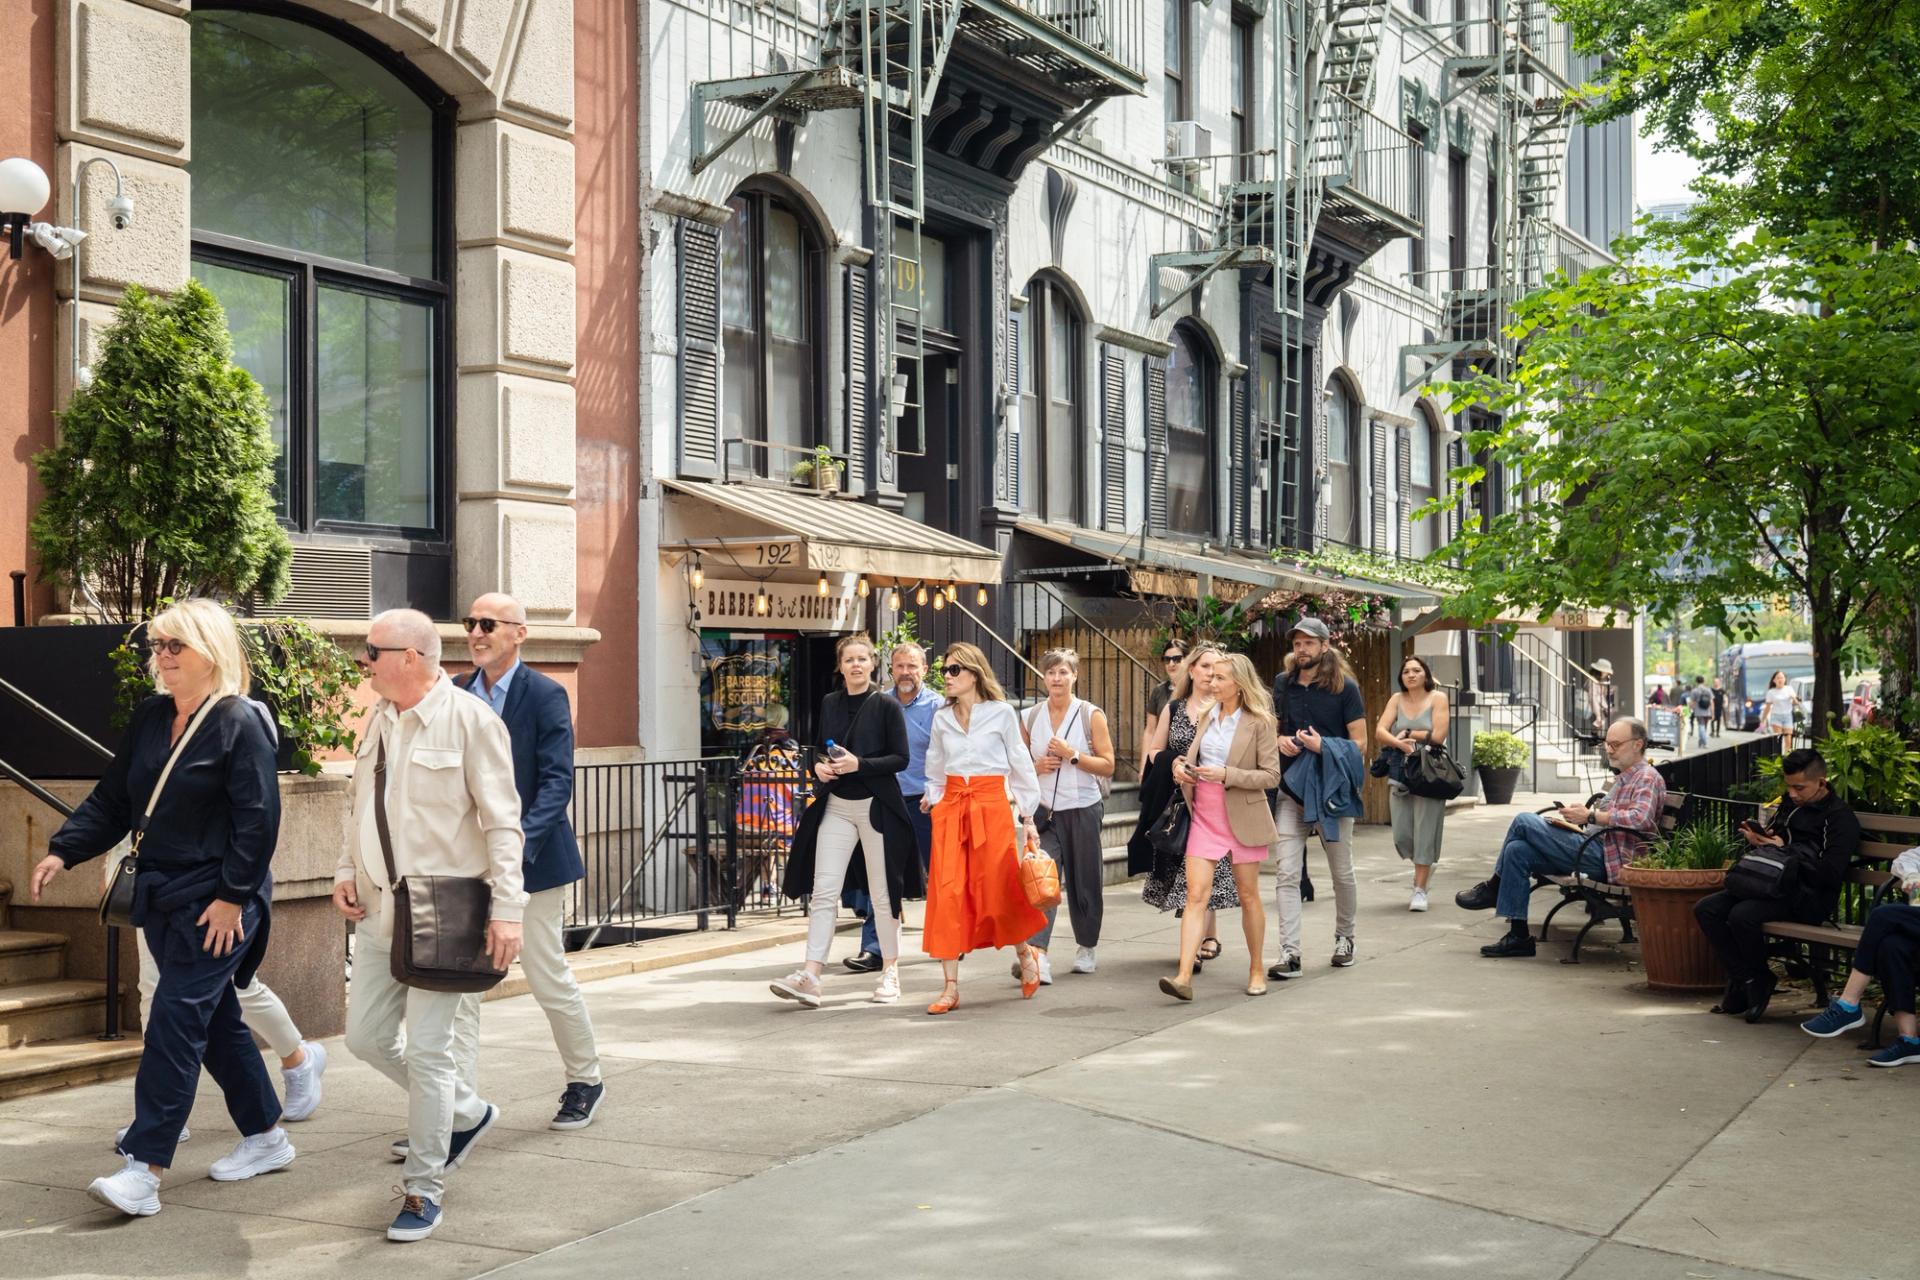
195,1021
1890,951
1732,926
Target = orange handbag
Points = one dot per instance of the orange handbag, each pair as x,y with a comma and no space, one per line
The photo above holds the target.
1039,878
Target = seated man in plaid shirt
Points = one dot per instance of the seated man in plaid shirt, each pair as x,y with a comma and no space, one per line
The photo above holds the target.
1536,845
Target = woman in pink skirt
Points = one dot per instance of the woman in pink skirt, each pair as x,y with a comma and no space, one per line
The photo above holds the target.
1225,775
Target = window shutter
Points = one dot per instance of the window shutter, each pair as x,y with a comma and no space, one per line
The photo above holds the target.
1113,440
1157,445
1455,460
1237,462
1317,469
699,350
1017,460
859,377
1377,481
1403,468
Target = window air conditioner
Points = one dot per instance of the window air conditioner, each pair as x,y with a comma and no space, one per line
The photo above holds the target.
1188,141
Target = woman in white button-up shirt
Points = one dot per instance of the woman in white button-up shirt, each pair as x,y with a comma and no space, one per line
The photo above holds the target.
976,762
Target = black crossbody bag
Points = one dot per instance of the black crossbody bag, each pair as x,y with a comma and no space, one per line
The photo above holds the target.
116,904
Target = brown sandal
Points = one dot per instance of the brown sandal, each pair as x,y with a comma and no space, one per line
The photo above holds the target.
1205,954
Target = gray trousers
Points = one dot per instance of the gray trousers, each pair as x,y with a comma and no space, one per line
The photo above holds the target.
1072,840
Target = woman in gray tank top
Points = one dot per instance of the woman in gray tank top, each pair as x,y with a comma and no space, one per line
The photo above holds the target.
1417,714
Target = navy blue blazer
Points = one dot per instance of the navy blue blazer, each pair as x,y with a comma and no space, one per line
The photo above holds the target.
540,723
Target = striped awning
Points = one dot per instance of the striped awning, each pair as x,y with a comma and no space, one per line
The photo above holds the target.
765,527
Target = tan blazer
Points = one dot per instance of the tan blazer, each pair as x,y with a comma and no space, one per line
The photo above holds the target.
1253,769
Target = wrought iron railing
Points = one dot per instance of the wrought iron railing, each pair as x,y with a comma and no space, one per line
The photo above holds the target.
1116,29
1368,156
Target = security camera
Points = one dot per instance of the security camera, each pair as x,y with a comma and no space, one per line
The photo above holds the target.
58,241
120,211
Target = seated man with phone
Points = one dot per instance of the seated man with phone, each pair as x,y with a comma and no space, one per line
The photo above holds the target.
1791,871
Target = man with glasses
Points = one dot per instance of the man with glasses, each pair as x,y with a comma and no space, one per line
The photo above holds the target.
539,721
432,790
1629,810
1172,653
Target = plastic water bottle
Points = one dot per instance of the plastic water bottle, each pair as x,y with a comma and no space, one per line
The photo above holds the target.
835,751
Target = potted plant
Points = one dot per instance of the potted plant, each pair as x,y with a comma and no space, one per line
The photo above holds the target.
1667,881
161,487
1498,757
822,470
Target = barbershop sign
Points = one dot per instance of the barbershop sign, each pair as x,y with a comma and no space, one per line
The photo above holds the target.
791,606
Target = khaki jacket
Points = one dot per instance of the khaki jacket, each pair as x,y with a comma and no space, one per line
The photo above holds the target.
452,806
1253,769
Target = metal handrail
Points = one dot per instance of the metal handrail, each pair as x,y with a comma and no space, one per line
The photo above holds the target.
55,719
1119,648
953,602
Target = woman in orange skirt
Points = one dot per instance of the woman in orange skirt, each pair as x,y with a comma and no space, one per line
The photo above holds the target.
979,773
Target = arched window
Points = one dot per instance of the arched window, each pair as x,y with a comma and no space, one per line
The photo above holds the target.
770,296
1050,395
1343,465
1423,454
319,221
1190,437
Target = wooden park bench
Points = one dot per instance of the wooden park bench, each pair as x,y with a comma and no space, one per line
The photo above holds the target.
1603,899
1823,953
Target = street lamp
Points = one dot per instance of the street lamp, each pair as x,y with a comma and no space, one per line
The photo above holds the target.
24,191
120,213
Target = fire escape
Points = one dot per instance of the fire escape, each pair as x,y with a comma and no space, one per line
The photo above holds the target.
890,60
1520,68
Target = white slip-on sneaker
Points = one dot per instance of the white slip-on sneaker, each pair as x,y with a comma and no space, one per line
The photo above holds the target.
303,1084
1083,961
1419,902
262,1153
1046,970
134,1191
120,1137
798,985
887,990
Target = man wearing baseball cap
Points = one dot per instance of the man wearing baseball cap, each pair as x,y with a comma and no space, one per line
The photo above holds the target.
1316,698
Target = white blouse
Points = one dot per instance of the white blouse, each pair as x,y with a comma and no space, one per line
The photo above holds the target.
989,747
1218,739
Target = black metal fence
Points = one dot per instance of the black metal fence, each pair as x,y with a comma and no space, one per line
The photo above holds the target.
1715,773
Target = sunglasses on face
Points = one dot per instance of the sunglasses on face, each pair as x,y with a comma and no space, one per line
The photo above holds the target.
1174,657
169,646
953,669
486,625
374,651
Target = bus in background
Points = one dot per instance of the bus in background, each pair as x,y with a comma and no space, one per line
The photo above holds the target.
1746,668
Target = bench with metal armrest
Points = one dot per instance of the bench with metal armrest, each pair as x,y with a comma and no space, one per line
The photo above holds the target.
1603,899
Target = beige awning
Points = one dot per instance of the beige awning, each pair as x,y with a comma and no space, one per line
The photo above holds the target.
766,528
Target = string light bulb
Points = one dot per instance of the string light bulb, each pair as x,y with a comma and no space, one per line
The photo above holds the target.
953,592
939,601
980,597
698,577
893,599
823,584
863,588
761,601
920,596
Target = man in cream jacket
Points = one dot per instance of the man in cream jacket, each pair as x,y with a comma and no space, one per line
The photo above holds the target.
452,810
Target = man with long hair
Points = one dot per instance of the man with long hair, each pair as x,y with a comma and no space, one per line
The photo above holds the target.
1316,698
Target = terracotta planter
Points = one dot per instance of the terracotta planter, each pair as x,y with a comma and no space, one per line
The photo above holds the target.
1498,785
1674,951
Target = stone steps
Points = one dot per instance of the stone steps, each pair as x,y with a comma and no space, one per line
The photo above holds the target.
59,1009
59,1064
31,957
50,1023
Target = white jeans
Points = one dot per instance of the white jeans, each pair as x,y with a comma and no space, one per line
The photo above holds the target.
1293,857
543,958
849,824
407,1035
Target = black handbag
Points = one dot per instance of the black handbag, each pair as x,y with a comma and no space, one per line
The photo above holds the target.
1433,774
1168,834
439,922
116,904
1763,873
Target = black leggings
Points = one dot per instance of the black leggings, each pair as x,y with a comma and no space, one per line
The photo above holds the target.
1890,950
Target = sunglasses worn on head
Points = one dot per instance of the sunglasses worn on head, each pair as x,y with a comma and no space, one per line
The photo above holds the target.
486,625
168,645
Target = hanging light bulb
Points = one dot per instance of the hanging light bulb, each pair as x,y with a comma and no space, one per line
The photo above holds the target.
823,584
863,588
762,603
893,599
920,596
939,601
980,597
698,577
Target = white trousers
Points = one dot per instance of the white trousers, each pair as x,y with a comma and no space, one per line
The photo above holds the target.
847,826
407,1035
1292,824
543,958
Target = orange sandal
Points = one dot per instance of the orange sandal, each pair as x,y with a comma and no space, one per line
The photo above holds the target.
946,1003
1029,974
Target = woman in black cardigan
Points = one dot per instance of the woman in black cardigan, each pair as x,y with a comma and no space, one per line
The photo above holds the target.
857,805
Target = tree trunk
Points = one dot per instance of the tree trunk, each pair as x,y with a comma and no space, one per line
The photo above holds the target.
1828,697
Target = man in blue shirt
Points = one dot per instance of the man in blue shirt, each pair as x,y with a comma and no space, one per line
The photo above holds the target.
917,703
540,724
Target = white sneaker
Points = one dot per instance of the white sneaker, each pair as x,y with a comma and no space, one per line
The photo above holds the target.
798,985
121,1136
1083,961
303,1084
262,1153
1046,968
134,1191
887,990
1419,902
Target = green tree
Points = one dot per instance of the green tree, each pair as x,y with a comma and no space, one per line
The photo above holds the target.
1705,446
1797,110
162,483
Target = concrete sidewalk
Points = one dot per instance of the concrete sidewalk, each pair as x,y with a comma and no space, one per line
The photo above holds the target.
1426,1113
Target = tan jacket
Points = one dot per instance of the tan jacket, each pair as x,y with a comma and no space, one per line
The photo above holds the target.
1253,769
451,804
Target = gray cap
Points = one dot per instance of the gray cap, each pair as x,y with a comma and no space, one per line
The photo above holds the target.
1310,627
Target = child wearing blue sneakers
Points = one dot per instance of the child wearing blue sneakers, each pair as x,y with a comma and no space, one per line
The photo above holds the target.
1889,950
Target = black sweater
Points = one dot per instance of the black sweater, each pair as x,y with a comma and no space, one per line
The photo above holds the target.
878,739
219,817
1825,837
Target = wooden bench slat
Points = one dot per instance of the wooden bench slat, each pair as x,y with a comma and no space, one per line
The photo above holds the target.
1591,885
1846,935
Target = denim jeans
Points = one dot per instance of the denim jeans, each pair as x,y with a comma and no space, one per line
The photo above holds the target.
862,904
1536,847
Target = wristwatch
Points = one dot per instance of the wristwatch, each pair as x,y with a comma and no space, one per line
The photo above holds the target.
1074,758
